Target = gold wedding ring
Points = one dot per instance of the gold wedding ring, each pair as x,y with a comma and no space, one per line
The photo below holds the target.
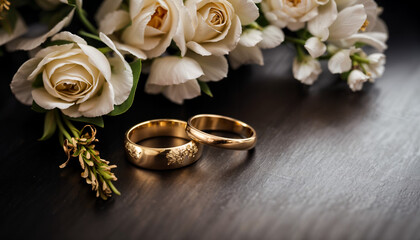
184,153
198,124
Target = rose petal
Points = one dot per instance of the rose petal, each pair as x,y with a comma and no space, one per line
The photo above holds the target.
187,90
72,111
215,68
173,70
229,43
59,54
130,50
46,101
68,36
245,55
99,105
31,43
246,10
121,76
20,84
199,49
106,7
114,21
97,59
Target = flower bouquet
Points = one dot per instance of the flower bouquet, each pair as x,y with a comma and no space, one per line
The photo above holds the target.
85,64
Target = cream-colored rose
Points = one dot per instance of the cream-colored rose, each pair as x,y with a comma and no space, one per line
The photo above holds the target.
146,30
291,13
214,27
76,78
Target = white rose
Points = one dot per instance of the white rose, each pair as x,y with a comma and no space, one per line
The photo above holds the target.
152,25
214,27
291,13
356,80
76,78
28,42
307,70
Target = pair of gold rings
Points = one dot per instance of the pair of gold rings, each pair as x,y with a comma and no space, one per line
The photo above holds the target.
187,139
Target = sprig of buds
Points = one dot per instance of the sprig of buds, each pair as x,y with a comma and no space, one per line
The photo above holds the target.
97,171
81,145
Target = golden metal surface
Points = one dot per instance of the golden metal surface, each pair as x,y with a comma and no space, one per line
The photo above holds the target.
198,124
160,158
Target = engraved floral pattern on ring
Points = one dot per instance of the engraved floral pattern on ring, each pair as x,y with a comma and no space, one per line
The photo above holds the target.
178,155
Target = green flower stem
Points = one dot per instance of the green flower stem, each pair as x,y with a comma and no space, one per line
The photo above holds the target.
90,35
300,52
72,128
295,40
85,21
325,57
360,59
61,126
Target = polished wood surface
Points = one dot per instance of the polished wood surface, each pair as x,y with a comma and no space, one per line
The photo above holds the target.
329,163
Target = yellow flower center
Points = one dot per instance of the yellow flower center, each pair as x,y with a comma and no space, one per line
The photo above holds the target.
294,2
158,17
216,16
364,26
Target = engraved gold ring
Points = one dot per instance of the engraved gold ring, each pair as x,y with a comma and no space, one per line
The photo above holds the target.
160,158
198,124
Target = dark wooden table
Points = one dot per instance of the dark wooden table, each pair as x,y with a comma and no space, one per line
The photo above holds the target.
329,164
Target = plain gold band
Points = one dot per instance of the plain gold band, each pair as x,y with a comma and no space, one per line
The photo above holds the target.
210,122
161,158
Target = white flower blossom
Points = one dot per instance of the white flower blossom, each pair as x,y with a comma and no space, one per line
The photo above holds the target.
75,78
214,27
356,79
176,77
306,70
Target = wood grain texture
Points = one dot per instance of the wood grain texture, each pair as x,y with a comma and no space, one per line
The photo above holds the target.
329,163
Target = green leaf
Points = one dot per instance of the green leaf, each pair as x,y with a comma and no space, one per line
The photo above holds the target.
49,126
98,121
205,88
38,81
120,109
38,108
